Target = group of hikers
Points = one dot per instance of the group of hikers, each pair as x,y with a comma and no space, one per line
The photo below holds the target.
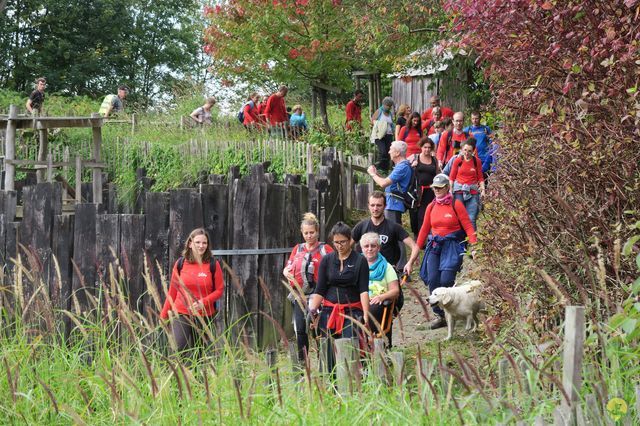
355,279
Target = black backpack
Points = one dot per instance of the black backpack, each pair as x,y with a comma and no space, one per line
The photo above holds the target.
410,197
212,268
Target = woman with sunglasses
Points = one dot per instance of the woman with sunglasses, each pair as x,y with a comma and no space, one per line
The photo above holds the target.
342,291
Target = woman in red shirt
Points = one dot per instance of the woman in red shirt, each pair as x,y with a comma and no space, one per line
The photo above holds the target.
445,228
411,134
302,273
193,292
250,112
468,180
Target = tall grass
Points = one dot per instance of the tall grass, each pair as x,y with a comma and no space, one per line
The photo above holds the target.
105,363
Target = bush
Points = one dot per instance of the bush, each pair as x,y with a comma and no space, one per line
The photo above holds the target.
568,183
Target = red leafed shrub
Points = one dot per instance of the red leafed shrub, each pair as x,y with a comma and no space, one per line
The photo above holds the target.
565,76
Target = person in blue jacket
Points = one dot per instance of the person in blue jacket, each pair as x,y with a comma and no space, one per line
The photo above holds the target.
482,134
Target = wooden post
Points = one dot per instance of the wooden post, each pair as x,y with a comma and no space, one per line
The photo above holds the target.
10,149
323,349
42,153
349,184
134,123
397,359
78,180
371,182
65,170
97,171
346,356
574,331
379,361
49,167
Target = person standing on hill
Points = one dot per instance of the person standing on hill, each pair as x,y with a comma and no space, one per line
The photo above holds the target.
402,116
276,112
435,102
353,110
250,117
36,98
114,103
302,274
196,285
425,167
202,115
383,131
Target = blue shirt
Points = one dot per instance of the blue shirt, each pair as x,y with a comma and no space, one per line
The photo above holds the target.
482,135
298,120
400,178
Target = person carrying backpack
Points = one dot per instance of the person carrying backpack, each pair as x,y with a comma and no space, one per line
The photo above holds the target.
248,114
411,134
468,180
196,285
302,273
444,233
451,140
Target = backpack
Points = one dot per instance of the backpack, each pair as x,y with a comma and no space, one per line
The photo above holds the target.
407,130
241,112
410,197
307,270
475,162
212,268
448,141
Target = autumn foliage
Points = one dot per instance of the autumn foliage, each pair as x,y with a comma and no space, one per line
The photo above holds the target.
565,79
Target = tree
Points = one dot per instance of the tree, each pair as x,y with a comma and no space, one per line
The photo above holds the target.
302,42
91,47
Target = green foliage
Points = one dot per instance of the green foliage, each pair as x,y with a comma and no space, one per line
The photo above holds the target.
88,48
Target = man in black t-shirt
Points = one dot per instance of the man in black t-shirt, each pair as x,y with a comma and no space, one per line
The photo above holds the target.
36,98
391,233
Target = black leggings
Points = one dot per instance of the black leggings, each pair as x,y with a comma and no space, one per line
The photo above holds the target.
300,328
383,152
377,311
189,333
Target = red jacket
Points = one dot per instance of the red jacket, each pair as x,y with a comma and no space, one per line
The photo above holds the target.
442,220
276,110
354,113
446,113
447,149
193,284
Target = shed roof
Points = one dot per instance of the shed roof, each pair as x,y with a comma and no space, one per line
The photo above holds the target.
439,62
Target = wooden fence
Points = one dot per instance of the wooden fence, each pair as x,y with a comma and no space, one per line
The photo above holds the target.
253,220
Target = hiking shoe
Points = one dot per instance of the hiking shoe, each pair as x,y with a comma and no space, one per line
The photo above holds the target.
439,322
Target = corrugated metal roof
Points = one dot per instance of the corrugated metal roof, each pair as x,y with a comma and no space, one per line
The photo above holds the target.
422,54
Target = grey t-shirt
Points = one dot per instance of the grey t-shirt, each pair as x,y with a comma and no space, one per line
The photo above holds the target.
117,104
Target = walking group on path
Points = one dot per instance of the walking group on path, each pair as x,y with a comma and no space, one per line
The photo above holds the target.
355,279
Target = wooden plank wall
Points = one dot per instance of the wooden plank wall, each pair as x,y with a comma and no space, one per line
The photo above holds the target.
79,255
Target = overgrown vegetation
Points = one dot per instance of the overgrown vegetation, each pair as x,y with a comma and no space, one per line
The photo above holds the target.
567,187
115,364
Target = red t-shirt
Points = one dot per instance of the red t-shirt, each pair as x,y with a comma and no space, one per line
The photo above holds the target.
446,113
193,284
412,139
250,115
443,219
354,113
296,259
445,152
276,110
467,172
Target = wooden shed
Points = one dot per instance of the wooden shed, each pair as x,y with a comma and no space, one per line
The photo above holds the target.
447,78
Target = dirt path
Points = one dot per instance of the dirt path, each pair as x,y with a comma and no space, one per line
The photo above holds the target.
411,328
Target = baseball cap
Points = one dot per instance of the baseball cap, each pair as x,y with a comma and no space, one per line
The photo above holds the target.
440,181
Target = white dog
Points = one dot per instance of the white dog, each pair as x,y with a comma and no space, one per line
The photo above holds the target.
459,302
